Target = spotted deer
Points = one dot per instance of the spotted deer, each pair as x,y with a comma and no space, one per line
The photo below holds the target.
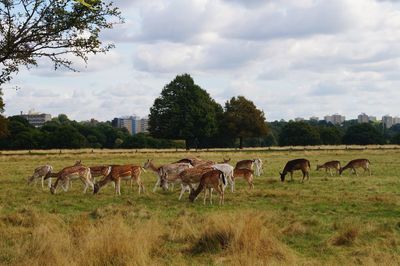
43,173
214,179
329,166
73,172
118,173
357,163
245,174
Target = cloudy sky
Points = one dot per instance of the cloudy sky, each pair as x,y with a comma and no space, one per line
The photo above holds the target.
293,58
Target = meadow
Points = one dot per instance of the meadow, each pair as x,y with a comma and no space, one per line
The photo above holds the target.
345,220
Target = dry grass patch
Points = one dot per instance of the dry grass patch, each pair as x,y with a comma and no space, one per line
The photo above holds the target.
247,239
347,233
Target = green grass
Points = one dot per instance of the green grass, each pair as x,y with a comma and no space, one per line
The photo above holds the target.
308,218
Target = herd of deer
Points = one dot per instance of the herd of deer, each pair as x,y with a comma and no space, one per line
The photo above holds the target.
188,172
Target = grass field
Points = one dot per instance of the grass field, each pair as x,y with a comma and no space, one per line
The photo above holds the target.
331,220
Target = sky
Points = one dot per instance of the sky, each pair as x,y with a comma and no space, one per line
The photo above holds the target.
292,58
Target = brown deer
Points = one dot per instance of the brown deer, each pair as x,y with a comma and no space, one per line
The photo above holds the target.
245,164
245,174
357,163
189,177
297,164
119,172
42,172
331,165
100,170
70,172
214,179
167,171
195,161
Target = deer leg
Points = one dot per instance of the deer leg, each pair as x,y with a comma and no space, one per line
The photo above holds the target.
291,175
205,196
156,185
43,182
304,175
118,187
211,192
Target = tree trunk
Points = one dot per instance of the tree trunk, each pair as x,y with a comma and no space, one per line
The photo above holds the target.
187,144
240,142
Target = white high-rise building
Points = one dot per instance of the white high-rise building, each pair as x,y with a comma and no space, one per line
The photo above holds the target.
363,118
132,123
387,121
36,119
335,119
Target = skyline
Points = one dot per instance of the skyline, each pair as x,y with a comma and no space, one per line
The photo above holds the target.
292,58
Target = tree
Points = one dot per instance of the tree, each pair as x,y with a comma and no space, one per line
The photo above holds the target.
242,119
299,134
52,29
395,139
330,135
363,134
184,111
3,120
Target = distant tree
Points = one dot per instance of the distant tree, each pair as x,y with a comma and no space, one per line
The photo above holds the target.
396,139
184,111
330,135
242,119
3,120
299,134
67,137
363,134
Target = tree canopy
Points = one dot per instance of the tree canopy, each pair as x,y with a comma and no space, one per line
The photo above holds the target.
242,119
363,134
52,29
184,111
299,133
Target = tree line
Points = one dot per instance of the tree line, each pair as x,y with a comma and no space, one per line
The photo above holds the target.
185,115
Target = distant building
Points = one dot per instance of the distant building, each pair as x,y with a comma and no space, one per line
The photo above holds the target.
299,119
36,119
387,121
335,119
396,120
364,118
314,118
133,124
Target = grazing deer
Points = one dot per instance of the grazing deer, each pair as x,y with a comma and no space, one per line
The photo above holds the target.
119,172
189,177
335,165
42,172
357,163
70,172
214,179
168,171
297,164
246,174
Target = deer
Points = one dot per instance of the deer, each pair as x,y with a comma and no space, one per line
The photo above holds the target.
214,179
195,161
244,173
75,171
297,164
168,171
119,172
249,164
189,177
100,170
335,165
227,169
43,172
357,163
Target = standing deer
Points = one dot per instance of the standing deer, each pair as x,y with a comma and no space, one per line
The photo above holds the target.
297,164
246,174
100,170
191,176
227,169
249,164
70,172
168,171
119,172
214,179
357,163
335,165
42,172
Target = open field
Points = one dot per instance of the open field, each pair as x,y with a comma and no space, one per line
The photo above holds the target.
332,220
